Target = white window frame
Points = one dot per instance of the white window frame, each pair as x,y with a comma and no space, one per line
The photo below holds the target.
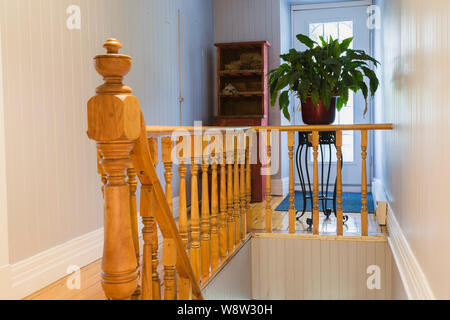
299,7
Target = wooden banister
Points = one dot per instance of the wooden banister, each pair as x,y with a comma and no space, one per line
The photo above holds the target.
122,144
127,148
115,136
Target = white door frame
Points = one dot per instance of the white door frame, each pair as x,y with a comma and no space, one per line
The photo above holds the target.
330,5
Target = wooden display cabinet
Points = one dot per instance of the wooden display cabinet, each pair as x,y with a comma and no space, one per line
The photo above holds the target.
244,66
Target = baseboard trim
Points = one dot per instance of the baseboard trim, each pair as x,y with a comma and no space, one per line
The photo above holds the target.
414,280
280,187
41,270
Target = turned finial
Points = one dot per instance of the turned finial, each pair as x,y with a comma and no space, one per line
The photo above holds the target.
113,67
112,46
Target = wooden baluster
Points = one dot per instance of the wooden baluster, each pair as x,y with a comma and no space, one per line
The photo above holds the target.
205,220
132,182
339,210
115,138
153,145
230,220
169,259
146,211
184,285
214,207
166,154
223,202
291,183
268,184
237,207
315,144
242,185
195,218
364,213
248,184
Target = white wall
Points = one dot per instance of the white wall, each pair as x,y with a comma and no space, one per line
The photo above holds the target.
412,161
234,282
53,191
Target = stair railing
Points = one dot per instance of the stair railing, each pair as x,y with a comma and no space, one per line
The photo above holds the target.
190,254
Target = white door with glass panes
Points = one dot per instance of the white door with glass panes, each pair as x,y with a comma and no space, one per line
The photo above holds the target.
340,23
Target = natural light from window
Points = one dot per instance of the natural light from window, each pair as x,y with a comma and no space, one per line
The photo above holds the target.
338,30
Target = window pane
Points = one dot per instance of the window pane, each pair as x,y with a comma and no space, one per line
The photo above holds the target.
346,30
331,29
316,31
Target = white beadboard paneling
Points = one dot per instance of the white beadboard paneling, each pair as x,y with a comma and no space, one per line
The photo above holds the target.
48,76
412,161
296,268
234,282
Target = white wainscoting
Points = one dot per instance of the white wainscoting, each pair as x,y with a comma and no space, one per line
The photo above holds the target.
304,268
414,282
34,273
234,282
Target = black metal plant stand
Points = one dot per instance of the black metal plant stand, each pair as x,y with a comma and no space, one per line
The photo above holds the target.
325,139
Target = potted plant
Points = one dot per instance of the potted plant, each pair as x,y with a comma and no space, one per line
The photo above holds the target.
322,77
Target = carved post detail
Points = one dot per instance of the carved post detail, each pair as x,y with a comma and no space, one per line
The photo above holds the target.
166,150
101,173
315,144
195,218
205,220
291,183
237,207
248,184
364,212
214,207
268,184
242,185
230,225
339,213
223,202
132,182
169,259
183,283
114,122
156,282
148,219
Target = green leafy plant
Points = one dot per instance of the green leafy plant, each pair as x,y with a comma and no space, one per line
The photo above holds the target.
321,72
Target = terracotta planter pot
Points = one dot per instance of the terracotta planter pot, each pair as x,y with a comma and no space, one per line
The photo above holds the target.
318,115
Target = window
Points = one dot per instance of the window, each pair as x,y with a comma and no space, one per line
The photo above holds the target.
338,30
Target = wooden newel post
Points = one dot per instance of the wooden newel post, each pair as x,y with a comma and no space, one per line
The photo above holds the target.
114,122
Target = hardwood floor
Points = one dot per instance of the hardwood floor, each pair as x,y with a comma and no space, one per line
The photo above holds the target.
280,222
90,275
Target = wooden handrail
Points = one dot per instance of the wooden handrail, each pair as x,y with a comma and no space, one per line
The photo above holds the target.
161,131
321,128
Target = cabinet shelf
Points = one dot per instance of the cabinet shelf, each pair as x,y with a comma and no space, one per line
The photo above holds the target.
240,73
242,94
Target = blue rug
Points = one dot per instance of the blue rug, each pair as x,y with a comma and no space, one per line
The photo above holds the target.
351,203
